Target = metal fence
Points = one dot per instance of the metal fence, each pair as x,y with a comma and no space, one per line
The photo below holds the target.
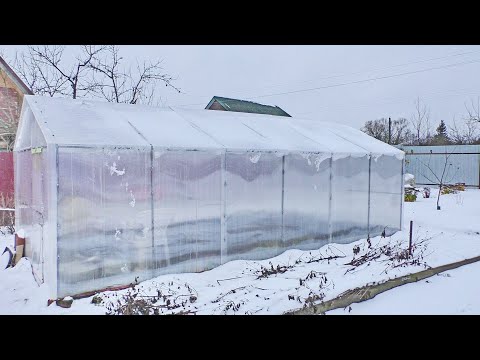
427,163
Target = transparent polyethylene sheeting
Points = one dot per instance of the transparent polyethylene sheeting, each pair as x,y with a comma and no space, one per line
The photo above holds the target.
187,207
306,201
110,193
349,198
205,208
105,212
385,194
253,205
32,192
104,218
29,135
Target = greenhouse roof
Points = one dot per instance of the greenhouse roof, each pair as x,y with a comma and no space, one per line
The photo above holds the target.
69,122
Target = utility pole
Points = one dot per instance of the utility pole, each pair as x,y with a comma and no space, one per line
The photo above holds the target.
389,130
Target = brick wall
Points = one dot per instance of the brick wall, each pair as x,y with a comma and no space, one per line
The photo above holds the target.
10,105
9,110
9,98
6,187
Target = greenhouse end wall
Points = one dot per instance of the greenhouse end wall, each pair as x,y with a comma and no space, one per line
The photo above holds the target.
35,209
35,198
136,213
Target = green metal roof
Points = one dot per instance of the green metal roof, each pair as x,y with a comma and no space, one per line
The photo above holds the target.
246,106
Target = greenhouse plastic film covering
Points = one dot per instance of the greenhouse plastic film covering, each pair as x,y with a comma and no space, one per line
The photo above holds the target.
386,186
253,205
104,217
187,210
349,197
32,194
306,205
194,196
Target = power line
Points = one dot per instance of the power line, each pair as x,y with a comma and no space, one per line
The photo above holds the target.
388,101
367,80
359,81
352,73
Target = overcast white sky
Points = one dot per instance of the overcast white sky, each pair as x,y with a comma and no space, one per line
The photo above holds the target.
259,72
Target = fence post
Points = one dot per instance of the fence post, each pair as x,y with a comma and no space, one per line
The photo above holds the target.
410,239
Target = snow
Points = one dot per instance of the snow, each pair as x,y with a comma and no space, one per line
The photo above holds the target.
363,140
95,123
238,287
132,203
114,170
409,179
454,292
77,122
254,158
4,259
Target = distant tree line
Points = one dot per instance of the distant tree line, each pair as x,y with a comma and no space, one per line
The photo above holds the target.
418,130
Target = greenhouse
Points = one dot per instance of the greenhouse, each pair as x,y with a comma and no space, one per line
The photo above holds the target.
109,193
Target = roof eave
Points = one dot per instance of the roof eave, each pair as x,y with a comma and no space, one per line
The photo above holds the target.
25,89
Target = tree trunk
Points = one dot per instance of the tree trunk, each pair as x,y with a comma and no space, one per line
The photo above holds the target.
438,197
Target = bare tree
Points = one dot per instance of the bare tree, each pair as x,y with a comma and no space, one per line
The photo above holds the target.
45,73
420,122
442,177
9,114
97,71
464,134
376,129
400,131
115,83
473,110
379,130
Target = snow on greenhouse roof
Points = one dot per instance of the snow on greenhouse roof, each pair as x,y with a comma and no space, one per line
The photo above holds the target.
239,131
94,123
361,139
80,122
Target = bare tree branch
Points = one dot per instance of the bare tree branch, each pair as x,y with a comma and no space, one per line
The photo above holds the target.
439,180
465,134
9,116
421,123
115,83
379,130
474,110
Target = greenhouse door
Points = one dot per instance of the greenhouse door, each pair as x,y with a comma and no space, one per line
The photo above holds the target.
38,220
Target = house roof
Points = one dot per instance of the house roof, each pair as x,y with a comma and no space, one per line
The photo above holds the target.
14,77
68,122
246,106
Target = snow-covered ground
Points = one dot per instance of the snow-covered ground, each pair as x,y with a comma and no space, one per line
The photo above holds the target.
454,292
295,278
